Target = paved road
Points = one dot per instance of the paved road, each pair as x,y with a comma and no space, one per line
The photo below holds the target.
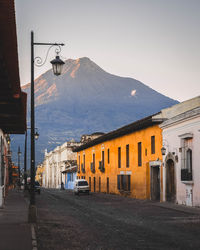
101,221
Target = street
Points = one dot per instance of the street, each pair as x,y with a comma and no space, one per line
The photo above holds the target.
105,221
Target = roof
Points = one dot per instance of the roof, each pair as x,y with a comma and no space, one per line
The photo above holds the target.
130,128
188,115
12,99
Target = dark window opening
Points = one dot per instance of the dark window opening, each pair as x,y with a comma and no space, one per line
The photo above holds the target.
139,154
108,156
153,144
93,160
119,157
127,156
102,159
124,182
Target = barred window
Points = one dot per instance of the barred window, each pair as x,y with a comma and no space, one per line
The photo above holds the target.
119,157
153,144
139,154
127,156
124,182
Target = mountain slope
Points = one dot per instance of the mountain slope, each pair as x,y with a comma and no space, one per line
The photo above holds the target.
85,99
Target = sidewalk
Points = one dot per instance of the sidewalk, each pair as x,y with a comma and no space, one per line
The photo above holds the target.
178,207
15,232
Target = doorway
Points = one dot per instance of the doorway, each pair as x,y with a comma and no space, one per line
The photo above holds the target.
94,184
107,185
170,181
155,183
99,184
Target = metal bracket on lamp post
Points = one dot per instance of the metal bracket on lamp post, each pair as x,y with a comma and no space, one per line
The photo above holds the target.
32,208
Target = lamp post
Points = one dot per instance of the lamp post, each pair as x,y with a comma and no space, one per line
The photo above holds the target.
19,154
57,68
25,157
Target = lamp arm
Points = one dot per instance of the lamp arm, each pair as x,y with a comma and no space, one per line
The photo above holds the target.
38,61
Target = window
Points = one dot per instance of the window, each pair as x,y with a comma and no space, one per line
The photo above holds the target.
102,159
90,183
82,183
99,184
139,154
83,161
189,160
127,156
124,182
79,163
153,144
94,184
145,151
119,157
93,160
108,155
186,159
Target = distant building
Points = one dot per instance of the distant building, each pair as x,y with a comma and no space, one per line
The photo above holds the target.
39,174
60,164
55,163
87,138
70,173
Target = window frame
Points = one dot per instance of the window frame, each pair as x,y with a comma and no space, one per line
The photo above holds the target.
139,154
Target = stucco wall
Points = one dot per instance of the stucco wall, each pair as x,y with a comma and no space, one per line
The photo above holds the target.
140,176
171,136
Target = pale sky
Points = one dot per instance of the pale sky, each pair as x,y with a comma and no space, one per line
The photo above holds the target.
154,41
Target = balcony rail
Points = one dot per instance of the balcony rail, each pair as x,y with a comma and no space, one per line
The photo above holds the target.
92,167
82,168
186,175
101,166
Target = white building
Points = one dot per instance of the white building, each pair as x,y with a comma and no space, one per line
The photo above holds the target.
55,163
181,172
4,165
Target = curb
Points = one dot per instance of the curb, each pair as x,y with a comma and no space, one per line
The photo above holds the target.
34,240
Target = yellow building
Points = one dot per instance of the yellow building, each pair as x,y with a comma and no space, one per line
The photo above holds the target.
39,174
126,161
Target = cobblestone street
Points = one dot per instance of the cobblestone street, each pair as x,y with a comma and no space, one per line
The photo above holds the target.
102,221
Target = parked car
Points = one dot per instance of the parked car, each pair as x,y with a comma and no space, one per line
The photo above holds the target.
81,186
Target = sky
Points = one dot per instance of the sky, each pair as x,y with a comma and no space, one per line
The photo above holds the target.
154,41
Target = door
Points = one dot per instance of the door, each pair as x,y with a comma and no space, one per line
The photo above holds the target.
155,183
90,183
170,181
99,184
94,184
107,185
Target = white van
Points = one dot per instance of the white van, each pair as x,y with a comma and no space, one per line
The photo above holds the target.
81,186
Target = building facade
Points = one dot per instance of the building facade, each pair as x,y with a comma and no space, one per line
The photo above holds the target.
181,175
5,165
55,162
126,161
12,99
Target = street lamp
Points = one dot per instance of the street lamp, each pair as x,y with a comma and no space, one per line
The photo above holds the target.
57,66
19,154
163,150
25,156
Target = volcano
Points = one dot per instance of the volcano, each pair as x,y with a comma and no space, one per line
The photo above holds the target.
86,99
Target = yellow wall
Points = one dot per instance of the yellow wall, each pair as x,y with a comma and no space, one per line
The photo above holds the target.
39,173
140,176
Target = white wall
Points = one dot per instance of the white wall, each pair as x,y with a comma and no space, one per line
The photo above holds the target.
172,142
54,163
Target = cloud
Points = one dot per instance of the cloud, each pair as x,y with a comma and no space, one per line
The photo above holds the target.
133,92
